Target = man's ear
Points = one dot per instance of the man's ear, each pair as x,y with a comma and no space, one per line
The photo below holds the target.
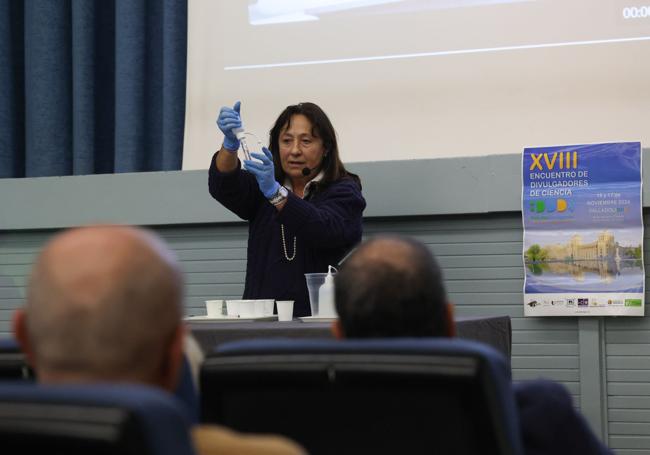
337,329
451,324
171,369
19,324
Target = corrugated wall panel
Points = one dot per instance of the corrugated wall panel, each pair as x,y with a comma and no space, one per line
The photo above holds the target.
213,259
628,383
627,342
628,379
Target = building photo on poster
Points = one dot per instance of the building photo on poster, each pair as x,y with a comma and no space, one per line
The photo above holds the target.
583,230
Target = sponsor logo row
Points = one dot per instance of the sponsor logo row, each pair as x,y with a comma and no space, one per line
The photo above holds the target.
583,302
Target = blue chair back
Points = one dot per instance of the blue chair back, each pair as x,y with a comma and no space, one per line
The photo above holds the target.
13,367
375,396
97,419
186,391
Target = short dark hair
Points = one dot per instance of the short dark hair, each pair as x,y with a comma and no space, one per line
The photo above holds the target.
322,128
391,286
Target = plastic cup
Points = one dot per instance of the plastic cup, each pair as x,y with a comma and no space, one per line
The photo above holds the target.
214,308
232,308
314,282
258,308
247,309
263,307
285,310
268,307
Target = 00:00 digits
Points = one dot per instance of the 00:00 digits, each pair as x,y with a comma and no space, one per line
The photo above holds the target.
636,12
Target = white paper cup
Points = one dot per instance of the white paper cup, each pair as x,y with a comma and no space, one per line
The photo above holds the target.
232,308
268,307
264,307
258,306
214,308
247,308
285,310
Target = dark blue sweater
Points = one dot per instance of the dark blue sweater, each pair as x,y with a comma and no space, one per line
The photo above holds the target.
326,224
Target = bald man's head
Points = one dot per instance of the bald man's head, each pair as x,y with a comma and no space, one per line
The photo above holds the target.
103,303
392,286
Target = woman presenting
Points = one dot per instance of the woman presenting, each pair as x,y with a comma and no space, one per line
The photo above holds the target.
304,209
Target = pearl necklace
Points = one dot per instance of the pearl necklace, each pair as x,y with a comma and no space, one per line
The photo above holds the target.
284,246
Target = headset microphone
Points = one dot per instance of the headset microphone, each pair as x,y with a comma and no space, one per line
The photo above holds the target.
306,171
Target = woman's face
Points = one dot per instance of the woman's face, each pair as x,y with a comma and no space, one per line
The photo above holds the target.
299,148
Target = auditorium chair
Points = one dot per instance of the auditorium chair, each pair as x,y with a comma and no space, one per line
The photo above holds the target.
379,396
13,367
12,361
91,419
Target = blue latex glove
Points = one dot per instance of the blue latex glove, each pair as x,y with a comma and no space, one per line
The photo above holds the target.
264,172
228,120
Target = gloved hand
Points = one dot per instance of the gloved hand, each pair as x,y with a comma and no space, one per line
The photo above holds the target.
264,172
228,120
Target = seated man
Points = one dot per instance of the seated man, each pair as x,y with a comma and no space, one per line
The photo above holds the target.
104,304
392,287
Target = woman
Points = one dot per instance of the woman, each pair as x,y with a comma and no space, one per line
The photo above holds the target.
304,209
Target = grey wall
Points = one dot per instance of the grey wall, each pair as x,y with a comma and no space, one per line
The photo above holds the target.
466,210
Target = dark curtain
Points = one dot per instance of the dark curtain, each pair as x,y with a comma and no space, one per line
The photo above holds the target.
91,86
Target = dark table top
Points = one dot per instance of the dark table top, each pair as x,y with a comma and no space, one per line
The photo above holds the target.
495,331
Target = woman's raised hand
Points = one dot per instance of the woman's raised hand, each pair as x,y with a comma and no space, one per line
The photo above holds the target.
264,172
228,120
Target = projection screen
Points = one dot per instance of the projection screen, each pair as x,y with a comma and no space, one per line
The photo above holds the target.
423,78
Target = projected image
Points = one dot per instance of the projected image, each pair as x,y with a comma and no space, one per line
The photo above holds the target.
264,12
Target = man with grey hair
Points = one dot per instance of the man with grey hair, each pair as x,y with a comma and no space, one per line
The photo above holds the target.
104,304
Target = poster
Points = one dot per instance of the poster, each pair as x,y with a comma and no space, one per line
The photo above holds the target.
583,230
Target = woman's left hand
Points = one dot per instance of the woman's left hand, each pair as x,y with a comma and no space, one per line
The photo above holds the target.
264,172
